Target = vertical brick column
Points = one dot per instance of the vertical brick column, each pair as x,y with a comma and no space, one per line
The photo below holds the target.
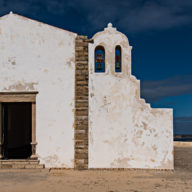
81,102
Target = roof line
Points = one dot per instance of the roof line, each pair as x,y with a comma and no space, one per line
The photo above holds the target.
26,18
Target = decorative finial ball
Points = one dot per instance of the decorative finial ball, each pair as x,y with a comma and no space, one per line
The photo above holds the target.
109,25
10,12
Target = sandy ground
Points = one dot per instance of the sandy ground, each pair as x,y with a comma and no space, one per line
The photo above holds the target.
99,181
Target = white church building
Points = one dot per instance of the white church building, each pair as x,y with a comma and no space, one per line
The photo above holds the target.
67,101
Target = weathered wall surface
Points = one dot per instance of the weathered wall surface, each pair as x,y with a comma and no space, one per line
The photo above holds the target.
38,57
124,131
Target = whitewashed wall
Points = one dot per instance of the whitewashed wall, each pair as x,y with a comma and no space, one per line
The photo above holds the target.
39,57
124,131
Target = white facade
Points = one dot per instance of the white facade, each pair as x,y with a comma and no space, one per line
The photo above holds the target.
39,57
124,131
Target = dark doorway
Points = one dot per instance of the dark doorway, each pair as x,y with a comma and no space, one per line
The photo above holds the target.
17,128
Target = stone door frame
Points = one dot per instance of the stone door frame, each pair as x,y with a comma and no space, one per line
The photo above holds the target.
10,97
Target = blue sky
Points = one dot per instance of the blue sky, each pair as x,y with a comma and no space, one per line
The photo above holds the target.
160,32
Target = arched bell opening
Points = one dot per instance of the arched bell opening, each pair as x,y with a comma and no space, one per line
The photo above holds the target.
99,59
118,59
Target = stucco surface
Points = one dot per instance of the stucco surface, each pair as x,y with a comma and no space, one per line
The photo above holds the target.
124,131
39,57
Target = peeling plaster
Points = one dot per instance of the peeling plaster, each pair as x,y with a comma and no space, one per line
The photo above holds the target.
21,86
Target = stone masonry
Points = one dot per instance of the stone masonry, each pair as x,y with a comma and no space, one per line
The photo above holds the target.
81,103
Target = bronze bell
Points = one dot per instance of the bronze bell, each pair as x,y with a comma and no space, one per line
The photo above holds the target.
118,65
99,66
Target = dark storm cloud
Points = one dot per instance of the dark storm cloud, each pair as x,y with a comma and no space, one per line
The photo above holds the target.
175,86
140,15
31,6
129,15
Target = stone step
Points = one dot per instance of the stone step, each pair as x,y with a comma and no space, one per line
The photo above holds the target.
18,161
20,164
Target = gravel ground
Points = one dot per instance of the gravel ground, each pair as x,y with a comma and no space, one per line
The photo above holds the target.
108,181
